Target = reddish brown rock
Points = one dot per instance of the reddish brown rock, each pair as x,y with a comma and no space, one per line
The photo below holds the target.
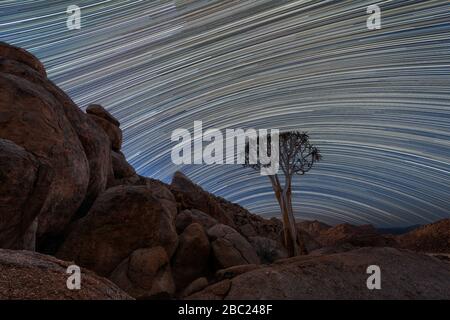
195,286
113,132
29,275
268,250
121,168
191,196
122,219
45,132
230,248
20,196
99,111
70,147
432,238
358,236
405,275
191,260
234,271
22,56
314,228
145,274
186,217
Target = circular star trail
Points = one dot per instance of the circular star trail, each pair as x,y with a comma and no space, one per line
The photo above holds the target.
376,102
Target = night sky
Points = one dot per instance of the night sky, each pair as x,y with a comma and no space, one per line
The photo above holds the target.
376,102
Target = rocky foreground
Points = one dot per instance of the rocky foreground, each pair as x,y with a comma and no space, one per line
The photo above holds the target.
68,192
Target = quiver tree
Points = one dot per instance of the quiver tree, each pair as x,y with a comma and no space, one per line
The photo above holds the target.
296,157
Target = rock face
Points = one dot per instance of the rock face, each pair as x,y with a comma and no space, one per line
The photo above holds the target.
313,228
405,275
145,274
268,250
108,123
28,275
191,196
122,219
230,248
358,236
19,173
432,238
186,217
191,259
71,156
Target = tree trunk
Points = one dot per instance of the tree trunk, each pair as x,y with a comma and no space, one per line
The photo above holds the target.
290,232
289,228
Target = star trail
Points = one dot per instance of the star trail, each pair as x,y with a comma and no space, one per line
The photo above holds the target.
376,102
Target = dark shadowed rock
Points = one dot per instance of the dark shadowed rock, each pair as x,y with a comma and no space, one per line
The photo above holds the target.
314,228
234,271
121,168
99,111
359,236
122,219
74,151
20,197
20,55
145,274
433,238
191,260
195,286
113,132
186,217
191,196
230,248
405,275
268,250
29,275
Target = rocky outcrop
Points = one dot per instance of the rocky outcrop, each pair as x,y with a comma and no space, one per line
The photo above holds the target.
191,196
432,238
358,236
29,275
268,250
405,275
145,274
313,228
230,248
187,217
191,259
19,188
108,123
122,219
72,157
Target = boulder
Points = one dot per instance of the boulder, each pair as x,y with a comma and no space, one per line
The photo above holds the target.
195,286
191,260
145,274
268,250
230,248
121,168
72,150
234,271
113,132
191,196
98,111
21,195
121,220
34,276
186,217
404,275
